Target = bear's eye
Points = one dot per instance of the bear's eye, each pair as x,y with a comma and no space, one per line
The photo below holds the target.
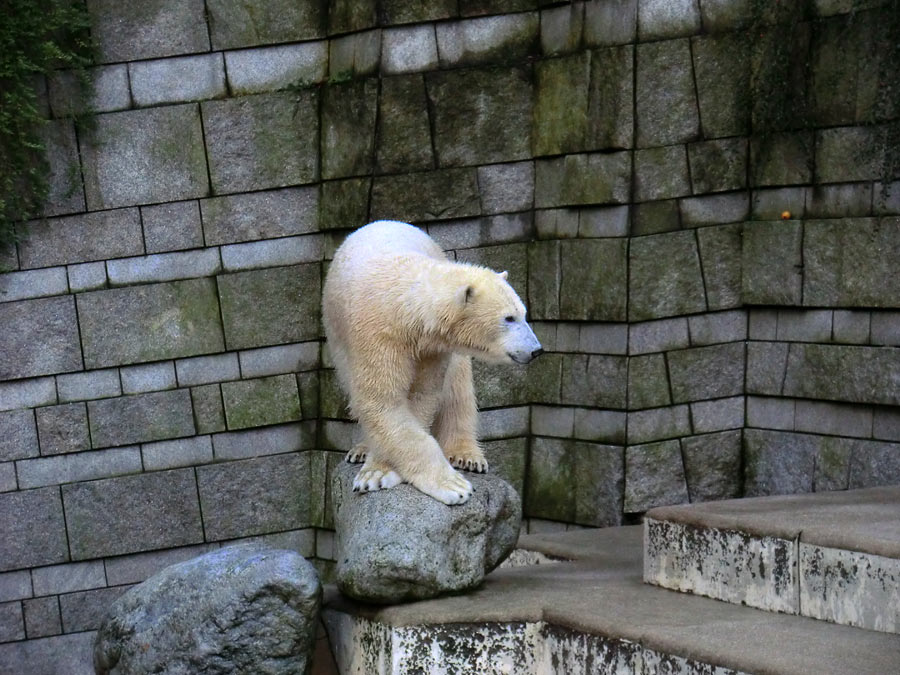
510,319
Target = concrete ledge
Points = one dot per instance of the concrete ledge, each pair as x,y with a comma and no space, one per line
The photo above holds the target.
591,613
831,556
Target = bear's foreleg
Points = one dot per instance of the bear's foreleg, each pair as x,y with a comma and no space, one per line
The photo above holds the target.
399,441
455,427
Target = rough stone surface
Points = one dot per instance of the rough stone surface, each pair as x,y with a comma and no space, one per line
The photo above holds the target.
665,276
596,380
78,466
561,102
720,256
38,337
434,195
661,173
74,239
145,156
718,165
136,29
259,215
238,24
344,203
262,141
261,401
600,296
778,463
707,372
655,218
481,116
667,18
665,102
142,417
654,476
18,435
712,465
850,262
781,159
254,496
760,572
87,276
172,226
404,135
722,72
648,382
348,128
32,529
240,609
599,178
400,544
253,71
597,473
850,588
561,28
63,428
506,187
149,322
271,306
843,373
771,263
132,513
188,78
357,53
494,39
65,194
407,50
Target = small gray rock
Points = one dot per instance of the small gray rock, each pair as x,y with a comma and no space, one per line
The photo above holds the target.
400,544
241,609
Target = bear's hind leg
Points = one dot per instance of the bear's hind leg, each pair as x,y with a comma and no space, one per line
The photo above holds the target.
457,418
360,451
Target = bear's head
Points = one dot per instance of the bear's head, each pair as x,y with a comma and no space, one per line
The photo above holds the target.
490,324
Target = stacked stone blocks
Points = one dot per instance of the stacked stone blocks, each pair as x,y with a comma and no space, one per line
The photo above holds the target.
160,327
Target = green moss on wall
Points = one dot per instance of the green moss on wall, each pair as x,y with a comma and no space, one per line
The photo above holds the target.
37,37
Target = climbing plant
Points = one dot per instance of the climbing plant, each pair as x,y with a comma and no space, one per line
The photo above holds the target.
36,38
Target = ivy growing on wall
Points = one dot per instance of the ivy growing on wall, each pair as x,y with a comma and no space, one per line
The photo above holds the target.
36,38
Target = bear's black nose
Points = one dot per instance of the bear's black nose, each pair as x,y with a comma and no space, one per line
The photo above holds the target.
536,353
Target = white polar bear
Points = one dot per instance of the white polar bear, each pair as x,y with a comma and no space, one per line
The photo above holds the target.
402,323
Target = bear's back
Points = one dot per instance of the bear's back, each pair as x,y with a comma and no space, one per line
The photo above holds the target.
387,239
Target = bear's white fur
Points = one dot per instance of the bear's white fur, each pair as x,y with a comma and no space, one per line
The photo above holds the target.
403,324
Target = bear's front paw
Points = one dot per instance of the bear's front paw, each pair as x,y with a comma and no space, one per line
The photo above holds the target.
358,454
450,488
369,480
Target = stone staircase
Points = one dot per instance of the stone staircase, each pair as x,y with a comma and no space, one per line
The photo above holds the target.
810,583
833,556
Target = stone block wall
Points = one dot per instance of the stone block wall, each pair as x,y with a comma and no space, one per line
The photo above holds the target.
164,384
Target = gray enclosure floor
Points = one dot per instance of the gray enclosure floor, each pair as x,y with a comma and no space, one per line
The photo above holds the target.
599,590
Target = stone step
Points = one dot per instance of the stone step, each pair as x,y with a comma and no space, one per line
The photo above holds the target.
591,613
833,556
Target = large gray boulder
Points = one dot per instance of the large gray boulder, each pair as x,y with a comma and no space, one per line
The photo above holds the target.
238,610
400,544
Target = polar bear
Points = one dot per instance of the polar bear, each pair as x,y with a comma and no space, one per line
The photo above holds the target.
403,324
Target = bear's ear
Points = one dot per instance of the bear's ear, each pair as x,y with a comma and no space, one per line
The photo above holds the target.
464,295
504,274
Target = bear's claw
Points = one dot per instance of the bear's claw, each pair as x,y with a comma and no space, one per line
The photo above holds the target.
468,464
370,480
357,455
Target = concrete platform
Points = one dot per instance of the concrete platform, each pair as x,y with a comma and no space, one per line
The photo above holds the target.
592,614
833,556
